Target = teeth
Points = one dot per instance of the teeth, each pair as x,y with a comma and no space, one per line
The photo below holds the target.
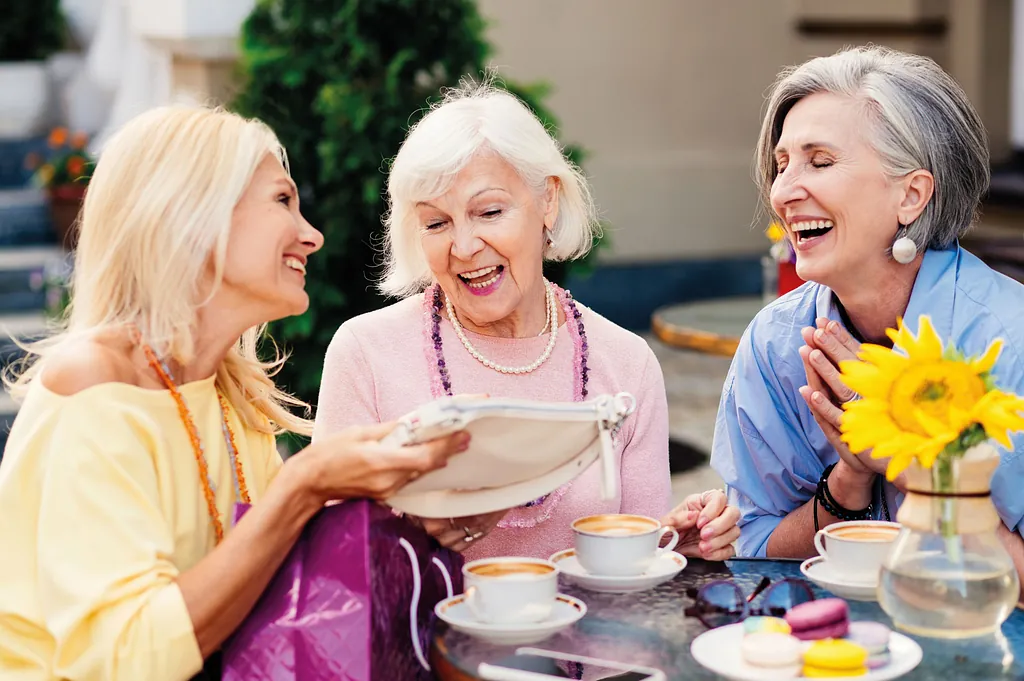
811,224
478,273
295,264
485,284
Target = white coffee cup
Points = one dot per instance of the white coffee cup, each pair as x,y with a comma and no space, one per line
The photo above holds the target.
857,549
619,544
510,590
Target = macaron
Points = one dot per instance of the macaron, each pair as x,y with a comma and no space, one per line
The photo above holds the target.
874,638
773,654
777,625
815,620
834,658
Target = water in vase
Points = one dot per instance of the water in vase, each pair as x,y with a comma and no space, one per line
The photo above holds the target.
931,595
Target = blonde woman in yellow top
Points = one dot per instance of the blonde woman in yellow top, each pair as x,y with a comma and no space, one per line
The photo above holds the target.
150,415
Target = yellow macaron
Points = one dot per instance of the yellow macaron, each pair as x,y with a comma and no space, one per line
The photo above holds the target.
834,657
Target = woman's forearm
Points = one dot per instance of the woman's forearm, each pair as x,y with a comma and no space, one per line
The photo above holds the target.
794,536
225,585
1014,545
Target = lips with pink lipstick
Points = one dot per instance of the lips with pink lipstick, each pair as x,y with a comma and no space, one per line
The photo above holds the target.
484,280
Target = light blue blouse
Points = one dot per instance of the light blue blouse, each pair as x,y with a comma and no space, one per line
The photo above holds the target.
768,448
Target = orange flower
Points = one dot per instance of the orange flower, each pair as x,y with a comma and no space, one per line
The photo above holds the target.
79,140
32,161
76,164
58,137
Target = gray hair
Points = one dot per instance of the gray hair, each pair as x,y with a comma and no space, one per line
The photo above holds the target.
921,119
472,119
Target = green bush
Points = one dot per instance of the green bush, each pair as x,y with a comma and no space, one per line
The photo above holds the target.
341,82
30,29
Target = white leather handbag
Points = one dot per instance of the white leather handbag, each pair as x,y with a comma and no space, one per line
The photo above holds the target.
520,450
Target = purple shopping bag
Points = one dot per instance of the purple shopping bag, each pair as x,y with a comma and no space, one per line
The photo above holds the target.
353,601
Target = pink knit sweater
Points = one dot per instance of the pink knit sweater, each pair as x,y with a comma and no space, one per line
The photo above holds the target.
376,370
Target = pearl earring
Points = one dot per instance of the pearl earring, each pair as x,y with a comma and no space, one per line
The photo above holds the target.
904,250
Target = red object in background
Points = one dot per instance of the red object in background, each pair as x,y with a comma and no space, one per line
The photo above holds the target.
788,278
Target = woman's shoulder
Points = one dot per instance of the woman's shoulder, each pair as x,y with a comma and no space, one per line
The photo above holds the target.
84,363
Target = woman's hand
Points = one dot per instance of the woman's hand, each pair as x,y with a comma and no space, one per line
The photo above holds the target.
352,463
458,534
706,525
825,393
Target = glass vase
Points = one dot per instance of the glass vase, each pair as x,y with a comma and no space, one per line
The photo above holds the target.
948,575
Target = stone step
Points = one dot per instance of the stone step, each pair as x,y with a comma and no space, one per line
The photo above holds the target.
25,218
13,173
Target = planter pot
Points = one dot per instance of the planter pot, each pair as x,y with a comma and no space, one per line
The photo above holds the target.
24,99
65,205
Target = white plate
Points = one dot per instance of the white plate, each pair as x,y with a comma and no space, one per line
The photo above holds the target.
819,571
665,567
719,651
454,612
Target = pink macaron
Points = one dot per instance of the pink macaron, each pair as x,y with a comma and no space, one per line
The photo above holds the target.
815,620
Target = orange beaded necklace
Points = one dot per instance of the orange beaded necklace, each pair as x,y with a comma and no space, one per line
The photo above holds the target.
197,445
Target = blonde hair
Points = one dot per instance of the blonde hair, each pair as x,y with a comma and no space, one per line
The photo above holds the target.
472,119
157,212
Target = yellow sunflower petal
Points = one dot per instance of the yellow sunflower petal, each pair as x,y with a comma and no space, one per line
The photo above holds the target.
897,465
887,361
865,378
985,363
929,345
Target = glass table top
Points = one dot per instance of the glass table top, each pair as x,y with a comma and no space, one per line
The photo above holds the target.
650,628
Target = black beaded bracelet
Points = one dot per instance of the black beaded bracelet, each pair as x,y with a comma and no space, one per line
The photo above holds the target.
824,497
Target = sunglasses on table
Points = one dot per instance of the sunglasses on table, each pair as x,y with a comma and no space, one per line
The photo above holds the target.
722,602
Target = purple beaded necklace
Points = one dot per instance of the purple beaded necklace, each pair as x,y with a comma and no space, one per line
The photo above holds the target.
441,383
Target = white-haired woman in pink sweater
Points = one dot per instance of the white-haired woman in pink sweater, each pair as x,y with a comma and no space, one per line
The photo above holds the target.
481,195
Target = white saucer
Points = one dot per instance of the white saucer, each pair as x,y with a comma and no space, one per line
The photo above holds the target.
719,651
566,612
819,571
665,567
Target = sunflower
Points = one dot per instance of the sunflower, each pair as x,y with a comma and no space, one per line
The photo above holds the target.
930,400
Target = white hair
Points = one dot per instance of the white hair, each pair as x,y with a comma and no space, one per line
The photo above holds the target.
470,120
919,118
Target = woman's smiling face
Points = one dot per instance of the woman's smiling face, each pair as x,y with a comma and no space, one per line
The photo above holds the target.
484,240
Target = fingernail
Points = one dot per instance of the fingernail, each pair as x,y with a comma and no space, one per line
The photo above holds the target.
816,355
707,533
702,521
833,327
819,334
818,398
704,547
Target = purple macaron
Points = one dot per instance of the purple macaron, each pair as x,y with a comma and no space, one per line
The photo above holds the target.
815,620
873,637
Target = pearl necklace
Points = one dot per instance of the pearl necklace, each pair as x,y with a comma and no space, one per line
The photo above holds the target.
549,296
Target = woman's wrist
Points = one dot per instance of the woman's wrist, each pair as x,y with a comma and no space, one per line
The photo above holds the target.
850,487
297,483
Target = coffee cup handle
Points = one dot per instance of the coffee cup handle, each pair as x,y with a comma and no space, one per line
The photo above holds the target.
819,541
671,542
472,598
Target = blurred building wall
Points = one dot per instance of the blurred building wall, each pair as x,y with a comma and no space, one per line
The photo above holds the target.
667,95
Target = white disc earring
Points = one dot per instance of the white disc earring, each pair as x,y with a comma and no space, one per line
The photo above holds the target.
904,250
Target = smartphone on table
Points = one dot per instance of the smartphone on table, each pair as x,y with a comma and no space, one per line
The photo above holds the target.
536,664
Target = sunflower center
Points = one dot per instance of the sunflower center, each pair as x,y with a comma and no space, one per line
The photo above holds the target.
933,388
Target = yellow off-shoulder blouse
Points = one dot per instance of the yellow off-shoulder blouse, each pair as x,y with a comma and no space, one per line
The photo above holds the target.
101,509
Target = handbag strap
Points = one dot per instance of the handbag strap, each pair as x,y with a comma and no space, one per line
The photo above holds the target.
414,602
